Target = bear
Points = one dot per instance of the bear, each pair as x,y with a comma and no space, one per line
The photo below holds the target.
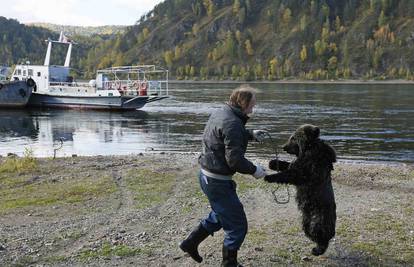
310,173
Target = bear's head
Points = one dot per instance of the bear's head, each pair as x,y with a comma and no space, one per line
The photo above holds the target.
301,138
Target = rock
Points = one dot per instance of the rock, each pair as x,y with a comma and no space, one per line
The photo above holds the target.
274,259
2,248
306,258
74,155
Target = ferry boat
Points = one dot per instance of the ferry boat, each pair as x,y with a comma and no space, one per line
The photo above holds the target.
116,88
15,93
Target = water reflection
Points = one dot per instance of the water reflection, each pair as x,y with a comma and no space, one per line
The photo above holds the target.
16,123
84,133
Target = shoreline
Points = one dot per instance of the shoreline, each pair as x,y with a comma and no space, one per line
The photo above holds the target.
297,81
134,210
196,154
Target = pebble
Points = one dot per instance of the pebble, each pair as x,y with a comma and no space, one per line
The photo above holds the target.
306,258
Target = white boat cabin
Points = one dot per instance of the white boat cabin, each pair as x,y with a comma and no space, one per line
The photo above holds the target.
142,81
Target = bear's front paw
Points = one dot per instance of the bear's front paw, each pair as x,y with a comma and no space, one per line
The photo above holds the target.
272,178
268,178
275,178
278,165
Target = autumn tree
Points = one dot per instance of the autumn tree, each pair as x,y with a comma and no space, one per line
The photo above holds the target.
168,58
249,48
303,53
273,68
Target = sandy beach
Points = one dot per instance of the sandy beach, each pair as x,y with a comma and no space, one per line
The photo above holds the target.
134,210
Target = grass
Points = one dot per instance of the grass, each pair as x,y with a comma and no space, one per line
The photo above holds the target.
108,250
25,261
150,187
379,235
54,259
285,254
192,197
49,193
257,236
25,164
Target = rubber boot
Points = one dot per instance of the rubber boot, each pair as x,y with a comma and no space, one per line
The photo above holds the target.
230,258
190,245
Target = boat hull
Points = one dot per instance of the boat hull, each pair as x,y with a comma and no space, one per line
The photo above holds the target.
87,102
14,94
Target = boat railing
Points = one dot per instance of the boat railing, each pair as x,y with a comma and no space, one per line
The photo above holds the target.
144,88
70,84
138,87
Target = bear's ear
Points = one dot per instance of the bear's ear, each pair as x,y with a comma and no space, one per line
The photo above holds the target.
312,132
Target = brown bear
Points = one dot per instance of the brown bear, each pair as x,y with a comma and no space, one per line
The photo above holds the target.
310,172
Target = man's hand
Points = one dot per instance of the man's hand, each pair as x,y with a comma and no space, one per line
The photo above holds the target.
260,135
260,172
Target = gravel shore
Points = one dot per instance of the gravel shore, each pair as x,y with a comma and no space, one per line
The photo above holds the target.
134,210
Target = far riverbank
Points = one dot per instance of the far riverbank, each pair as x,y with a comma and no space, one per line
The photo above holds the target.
295,81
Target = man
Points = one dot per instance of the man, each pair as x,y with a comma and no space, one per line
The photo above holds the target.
225,141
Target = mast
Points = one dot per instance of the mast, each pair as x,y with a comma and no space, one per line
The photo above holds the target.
62,40
67,60
49,49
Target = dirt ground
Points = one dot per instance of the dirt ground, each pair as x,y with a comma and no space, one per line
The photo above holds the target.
134,210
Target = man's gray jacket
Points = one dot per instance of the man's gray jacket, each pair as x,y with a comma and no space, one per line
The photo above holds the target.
225,141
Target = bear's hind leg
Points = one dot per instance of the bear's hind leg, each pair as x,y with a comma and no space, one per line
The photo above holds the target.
320,249
317,231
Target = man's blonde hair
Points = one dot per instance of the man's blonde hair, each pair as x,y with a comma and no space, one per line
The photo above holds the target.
241,96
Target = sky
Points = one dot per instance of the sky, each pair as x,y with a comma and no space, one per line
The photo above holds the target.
77,12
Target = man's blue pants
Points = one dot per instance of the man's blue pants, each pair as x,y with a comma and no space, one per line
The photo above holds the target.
226,211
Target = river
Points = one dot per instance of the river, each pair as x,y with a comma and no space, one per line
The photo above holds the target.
364,123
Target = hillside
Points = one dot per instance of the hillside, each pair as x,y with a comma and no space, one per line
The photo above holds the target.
271,39
243,40
81,30
20,43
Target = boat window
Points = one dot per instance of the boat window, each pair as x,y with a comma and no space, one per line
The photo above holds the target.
38,74
24,72
30,72
19,72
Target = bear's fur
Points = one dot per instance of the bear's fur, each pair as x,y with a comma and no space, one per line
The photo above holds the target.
310,172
